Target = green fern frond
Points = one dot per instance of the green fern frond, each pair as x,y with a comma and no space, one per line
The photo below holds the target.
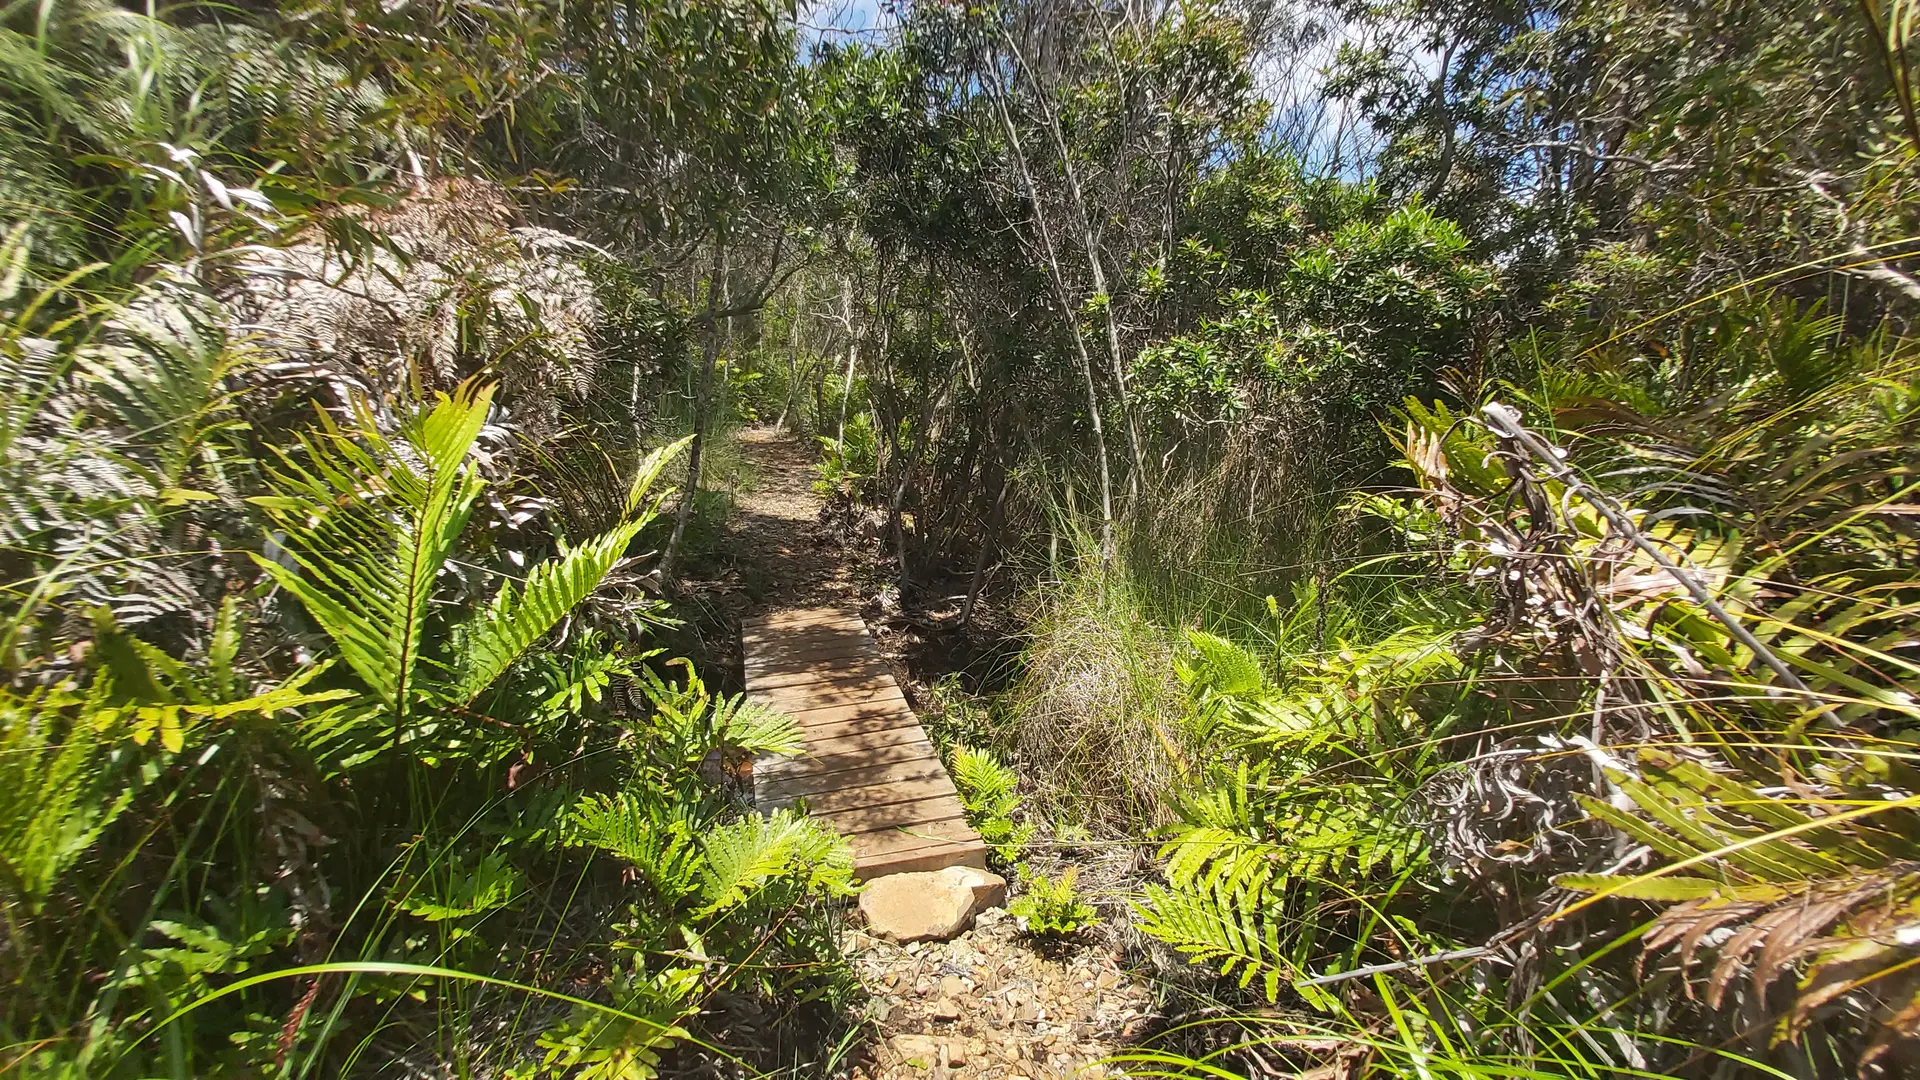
744,855
986,786
652,835
597,1045
367,529
1212,927
497,635
753,728
466,890
56,797
1219,666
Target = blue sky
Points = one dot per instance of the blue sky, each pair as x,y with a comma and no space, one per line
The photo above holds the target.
844,18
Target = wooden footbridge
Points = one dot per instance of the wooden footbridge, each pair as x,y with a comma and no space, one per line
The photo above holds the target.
867,766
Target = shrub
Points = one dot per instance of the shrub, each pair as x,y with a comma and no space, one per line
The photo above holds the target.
1053,908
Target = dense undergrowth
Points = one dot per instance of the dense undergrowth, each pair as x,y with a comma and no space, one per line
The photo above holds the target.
1446,470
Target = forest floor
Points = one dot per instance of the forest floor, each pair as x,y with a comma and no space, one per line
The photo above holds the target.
991,1004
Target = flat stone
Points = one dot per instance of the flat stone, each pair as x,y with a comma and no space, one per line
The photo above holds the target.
934,906
919,1051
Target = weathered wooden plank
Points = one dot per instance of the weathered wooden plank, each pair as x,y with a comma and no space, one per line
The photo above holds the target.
847,798
929,847
861,671
829,696
802,651
867,767
920,860
859,723
789,786
794,618
859,742
809,763
910,816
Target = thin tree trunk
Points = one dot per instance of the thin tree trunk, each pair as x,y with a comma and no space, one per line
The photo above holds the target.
793,358
1078,202
703,396
921,436
988,538
853,358
1065,302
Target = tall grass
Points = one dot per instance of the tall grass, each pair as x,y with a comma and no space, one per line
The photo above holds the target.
1096,713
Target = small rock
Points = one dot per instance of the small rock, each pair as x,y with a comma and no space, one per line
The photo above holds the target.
953,986
919,1051
929,907
956,1052
945,1009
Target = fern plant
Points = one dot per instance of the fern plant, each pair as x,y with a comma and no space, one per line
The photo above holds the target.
1760,888
365,524
990,795
1053,908
1319,799
624,1043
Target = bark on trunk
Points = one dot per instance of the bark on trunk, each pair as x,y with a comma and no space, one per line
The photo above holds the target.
1064,300
702,397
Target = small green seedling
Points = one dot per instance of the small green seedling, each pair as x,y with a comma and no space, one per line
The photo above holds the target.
1053,909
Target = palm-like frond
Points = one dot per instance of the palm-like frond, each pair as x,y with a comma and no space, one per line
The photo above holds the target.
514,620
652,835
55,795
744,855
370,526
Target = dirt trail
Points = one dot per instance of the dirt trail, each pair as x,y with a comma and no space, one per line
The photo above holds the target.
776,528
988,1005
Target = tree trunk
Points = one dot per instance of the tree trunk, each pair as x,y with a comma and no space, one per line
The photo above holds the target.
988,537
702,397
1078,202
793,358
1064,300
853,358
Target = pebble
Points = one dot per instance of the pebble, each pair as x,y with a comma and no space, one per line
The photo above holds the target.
987,1006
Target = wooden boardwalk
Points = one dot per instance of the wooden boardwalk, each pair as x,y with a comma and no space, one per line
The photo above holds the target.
867,767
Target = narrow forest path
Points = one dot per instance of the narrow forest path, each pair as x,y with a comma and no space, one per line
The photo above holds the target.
991,1004
776,530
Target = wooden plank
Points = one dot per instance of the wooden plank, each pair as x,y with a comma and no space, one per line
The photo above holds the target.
887,705
829,696
801,617
789,786
810,764
847,798
859,742
922,860
861,724
911,816
864,671
899,851
867,766
811,649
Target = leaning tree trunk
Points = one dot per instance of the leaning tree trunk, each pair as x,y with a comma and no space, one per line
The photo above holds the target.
1098,272
1064,300
853,359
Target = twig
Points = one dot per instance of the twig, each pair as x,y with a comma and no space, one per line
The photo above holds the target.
1507,422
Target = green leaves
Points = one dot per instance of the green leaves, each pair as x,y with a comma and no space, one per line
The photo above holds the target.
990,793
367,525
496,636
1053,908
743,856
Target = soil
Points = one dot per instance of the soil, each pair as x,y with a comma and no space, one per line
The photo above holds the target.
994,1003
